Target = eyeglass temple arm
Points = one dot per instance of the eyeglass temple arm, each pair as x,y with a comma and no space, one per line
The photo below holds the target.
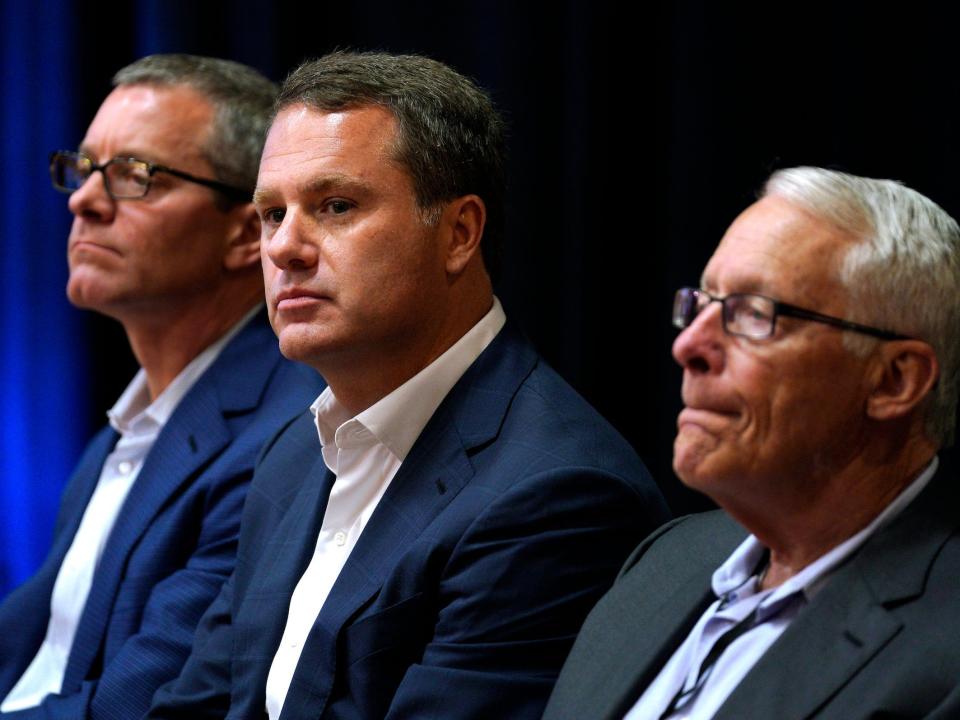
794,311
228,190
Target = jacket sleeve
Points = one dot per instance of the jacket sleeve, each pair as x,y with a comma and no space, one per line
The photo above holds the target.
203,689
515,592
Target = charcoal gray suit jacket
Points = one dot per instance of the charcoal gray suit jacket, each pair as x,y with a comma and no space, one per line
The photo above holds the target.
881,640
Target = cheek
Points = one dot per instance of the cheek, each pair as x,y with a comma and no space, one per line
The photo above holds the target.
269,270
384,271
762,390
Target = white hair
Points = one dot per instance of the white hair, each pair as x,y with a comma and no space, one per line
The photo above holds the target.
903,275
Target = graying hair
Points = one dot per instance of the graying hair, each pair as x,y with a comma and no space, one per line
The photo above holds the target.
242,99
902,275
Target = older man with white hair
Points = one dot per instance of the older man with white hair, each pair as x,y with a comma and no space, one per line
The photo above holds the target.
820,361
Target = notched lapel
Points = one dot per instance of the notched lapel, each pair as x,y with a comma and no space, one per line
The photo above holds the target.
850,621
433,473
828,643
78,492
644,652
195,433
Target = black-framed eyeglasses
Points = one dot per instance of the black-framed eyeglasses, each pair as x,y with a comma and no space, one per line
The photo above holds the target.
124,178
755,316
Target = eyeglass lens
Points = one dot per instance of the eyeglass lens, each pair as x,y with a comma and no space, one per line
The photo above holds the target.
125,177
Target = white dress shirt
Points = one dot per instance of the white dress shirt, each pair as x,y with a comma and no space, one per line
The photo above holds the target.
736,585
364,453
139,422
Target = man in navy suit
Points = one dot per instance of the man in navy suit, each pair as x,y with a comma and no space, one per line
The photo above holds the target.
166,241
433,552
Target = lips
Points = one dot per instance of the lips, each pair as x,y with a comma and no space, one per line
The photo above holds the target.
295,298
699,416
705,408
83,245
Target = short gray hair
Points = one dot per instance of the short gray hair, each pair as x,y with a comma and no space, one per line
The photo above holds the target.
242,99
903,275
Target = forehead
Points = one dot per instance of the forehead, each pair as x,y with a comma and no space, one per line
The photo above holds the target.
158,123
304,141
779,249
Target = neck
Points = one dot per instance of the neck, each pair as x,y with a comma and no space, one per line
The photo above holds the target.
836,508
164,344
360,381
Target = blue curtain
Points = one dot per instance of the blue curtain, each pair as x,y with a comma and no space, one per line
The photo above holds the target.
43,366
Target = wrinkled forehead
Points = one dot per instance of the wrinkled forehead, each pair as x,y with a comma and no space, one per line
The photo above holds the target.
779,249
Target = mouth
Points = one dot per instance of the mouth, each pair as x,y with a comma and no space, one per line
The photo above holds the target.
81,247
706,418
292,299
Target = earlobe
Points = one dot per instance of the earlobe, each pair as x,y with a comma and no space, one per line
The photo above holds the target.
243,247
465,218
909,373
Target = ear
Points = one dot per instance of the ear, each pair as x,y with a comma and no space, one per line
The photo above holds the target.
908,372
464,219
243,246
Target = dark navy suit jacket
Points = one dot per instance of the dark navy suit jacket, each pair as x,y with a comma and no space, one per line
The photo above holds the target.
880,640
174,541
509,517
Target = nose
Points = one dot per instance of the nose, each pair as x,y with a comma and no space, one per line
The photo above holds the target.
700,347
291,246
91,200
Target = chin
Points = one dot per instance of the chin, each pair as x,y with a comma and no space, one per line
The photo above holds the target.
697,466
85,294
303,343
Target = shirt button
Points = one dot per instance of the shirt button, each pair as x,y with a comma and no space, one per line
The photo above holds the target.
340,538
125,467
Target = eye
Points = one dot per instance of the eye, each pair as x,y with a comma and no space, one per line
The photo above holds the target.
131,172
753,312
272,216
338,206
754,309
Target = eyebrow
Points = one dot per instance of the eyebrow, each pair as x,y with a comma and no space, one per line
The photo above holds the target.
85,149
750,285
324,183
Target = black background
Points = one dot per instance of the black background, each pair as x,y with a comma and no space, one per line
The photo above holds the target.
638,132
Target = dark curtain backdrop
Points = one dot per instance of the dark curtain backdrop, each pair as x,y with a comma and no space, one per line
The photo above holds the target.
637,133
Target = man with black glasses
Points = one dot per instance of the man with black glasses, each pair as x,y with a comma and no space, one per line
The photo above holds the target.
820,361
166,241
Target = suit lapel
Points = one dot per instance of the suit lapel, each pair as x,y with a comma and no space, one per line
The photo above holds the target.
620,625
278,568
436,469
618,688
78,492
822,649
848,623
195,433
